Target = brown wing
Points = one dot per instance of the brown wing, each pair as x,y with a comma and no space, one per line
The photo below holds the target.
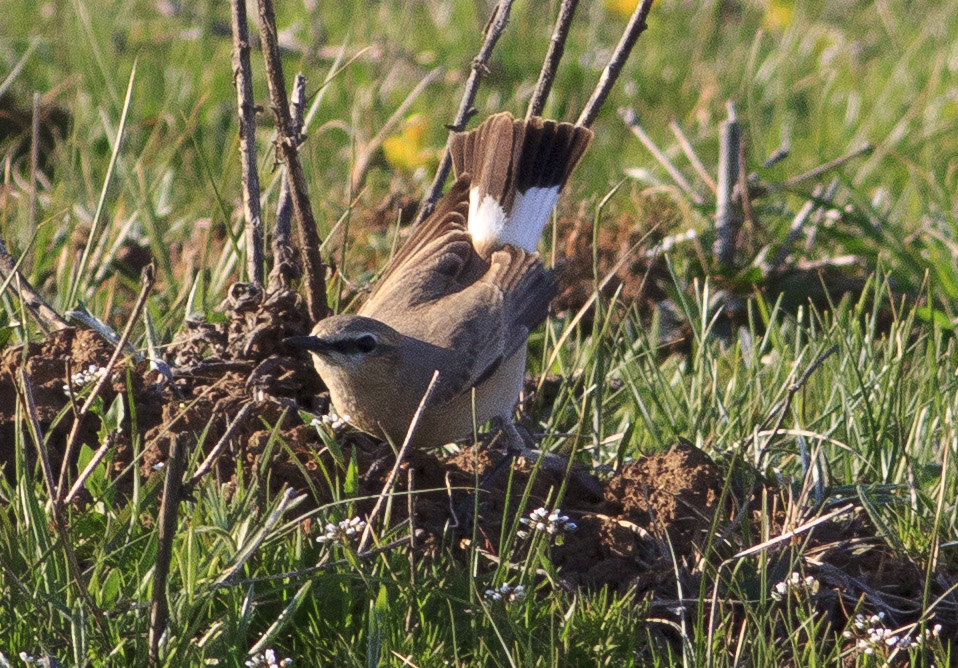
488,321
431,262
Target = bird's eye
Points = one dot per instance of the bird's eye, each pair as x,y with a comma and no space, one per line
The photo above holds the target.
366,343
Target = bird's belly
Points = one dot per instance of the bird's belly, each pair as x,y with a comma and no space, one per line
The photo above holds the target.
496,397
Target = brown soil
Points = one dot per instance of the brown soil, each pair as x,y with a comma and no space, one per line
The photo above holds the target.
660,523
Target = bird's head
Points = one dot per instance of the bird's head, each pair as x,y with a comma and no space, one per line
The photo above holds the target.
366,365
351,343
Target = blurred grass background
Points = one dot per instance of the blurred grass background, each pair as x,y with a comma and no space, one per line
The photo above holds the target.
820,77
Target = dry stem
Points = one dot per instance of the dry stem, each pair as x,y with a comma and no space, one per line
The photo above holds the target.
48,319
610,74
628,115
556,48
314,271
494,30
727,219
159,606
243,80
147,279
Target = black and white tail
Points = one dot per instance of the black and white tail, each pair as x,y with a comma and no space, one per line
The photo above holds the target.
517,170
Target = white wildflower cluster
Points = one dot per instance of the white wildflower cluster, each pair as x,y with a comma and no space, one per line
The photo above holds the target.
342,532
45,661
553,523
85,376
506,593
795,585
331,420
872,637
267,659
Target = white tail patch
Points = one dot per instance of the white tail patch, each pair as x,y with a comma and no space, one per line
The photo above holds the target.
488,222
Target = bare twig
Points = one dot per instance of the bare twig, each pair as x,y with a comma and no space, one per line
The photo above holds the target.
796,228
214,454
692,155
781,409
480,64
243,80
369,149
56,508
159,606
48,319
314,271
828,166
727,219
820,214
284,215
95,460
147,279
628,115
556,48
742,190
391,480
610,74
284,265
287,501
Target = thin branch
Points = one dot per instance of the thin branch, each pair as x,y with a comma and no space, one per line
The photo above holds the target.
48,319
556,48
287,501
628,115
159,606
312,570
726,214
828,166
98,456
820,214
284,264
147,279
795,228
314,272
243,80
782,408
692,155
391,480
367,151
610,74
494,30
55,507
214,454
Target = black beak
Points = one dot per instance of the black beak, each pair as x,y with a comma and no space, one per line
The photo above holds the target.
313,344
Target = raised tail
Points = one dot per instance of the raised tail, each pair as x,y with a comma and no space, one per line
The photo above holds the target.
517,170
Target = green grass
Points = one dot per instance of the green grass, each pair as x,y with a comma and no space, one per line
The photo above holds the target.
876,423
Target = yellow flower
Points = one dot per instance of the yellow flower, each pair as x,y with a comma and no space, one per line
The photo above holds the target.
405,150
779,14
621,7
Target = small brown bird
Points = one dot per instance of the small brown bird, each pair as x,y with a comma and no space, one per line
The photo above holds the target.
460,297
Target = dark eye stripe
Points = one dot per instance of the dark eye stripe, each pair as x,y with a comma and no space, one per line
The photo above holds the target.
362,344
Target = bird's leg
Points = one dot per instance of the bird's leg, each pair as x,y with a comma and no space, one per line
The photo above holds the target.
517,446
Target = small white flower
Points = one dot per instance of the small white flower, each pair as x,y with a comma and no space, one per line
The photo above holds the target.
796,585
339,533
506,593
552,523
84,377
267,659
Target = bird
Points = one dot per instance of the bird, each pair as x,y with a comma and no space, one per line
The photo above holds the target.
461,295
